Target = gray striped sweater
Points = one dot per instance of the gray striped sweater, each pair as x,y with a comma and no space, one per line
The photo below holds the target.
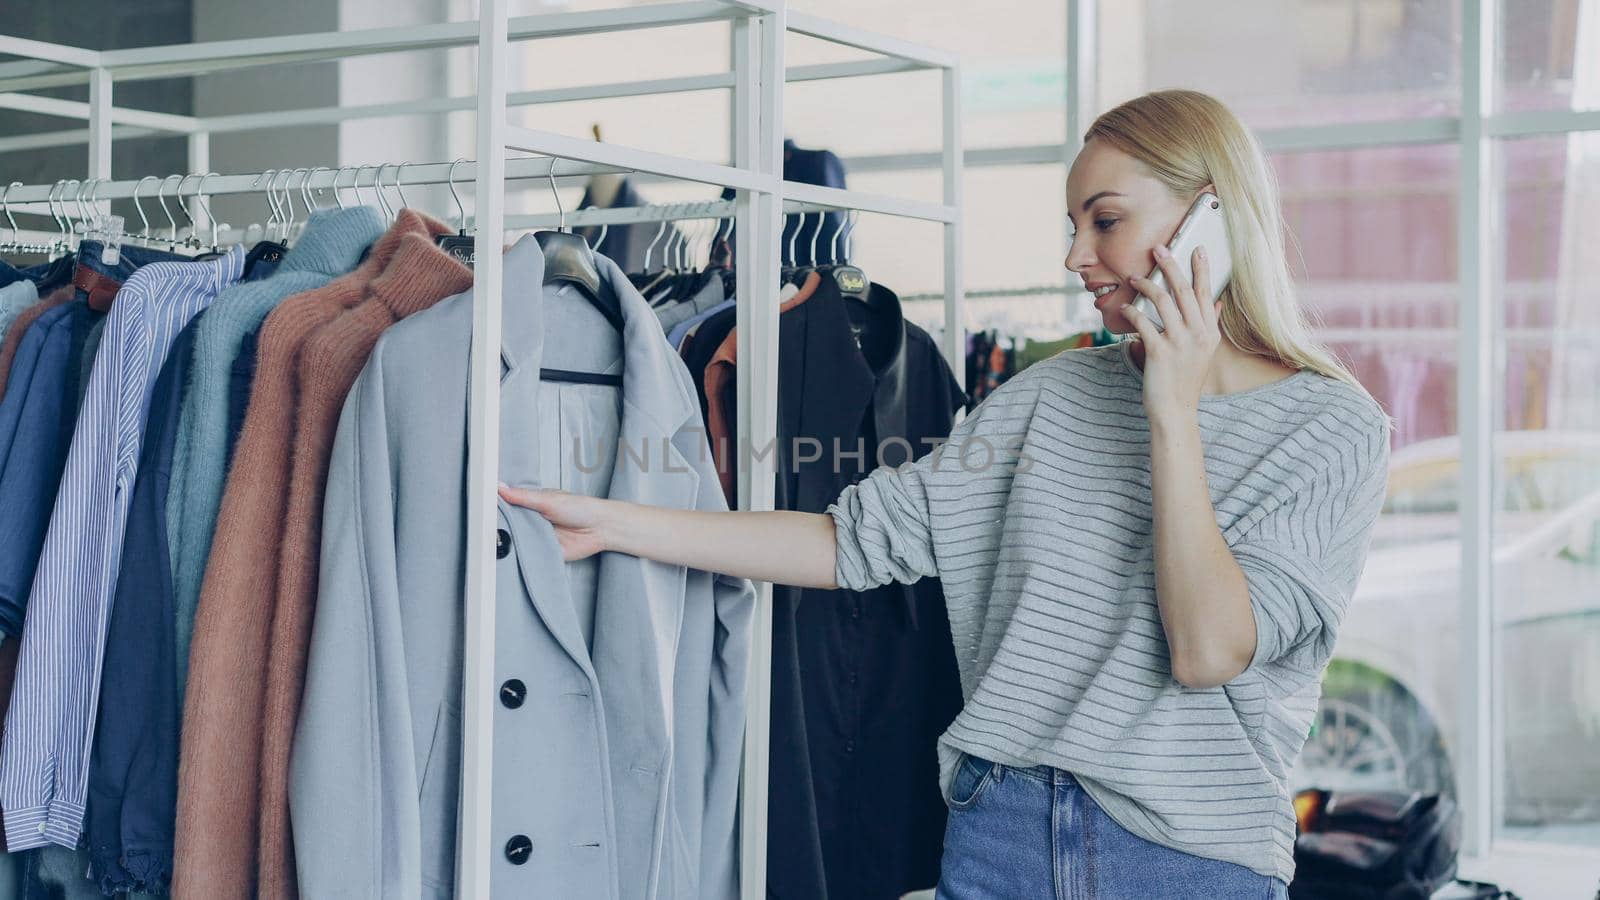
1037,517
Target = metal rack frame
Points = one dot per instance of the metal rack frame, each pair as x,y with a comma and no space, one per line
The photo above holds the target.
761,200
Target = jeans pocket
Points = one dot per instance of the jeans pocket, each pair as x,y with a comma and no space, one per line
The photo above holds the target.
973,777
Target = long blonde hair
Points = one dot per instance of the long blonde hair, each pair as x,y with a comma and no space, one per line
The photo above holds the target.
1188,140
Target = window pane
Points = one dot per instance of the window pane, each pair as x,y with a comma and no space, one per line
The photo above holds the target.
1547,482
1277,64
1013,59
1015,235
1549,55
1375,231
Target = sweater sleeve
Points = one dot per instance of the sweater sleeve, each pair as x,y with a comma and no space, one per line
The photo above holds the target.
353,783
1303,562
886,525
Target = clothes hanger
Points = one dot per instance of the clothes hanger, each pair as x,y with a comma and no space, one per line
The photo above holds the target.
200,197
871,313
568,260
307,193
295,228
143,237
172,225
398,171
643,280
795,273
460,245
267,250
188,242
377,186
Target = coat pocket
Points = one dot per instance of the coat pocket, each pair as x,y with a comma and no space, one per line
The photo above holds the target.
437,799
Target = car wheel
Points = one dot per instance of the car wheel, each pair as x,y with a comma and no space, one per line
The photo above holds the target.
1372,734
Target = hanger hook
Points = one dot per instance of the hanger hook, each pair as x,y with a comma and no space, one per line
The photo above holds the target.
356,183
144,233
58,219
66,213
850,236
15,234
305,198
77,201
833,242
650,250
193,239
91,187
717,237
816,233
561,221
77,198
337,174
794,254
398,171
377,188
272,203
603,227
172,224
461,211
288,202
306,192
200,195
50,201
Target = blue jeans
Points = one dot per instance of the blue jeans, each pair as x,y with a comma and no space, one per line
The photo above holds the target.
1036,833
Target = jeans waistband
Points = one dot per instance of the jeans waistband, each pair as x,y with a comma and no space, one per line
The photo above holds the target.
1046,774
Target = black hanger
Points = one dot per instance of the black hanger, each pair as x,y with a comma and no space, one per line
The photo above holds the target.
460,246
568,260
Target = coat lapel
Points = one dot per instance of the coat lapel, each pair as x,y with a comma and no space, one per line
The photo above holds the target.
639,610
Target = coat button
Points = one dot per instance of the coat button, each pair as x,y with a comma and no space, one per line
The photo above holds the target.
502,543
512,693
518,849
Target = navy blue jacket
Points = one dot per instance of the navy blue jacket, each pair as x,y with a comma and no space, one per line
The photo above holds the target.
133,766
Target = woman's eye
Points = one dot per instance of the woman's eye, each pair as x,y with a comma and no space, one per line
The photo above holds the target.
1104,224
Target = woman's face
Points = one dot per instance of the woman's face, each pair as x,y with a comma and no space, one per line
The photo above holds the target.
1117,214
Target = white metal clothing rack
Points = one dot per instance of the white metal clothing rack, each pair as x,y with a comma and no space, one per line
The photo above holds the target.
761,200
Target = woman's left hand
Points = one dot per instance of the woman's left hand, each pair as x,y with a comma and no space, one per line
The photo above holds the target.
1176,360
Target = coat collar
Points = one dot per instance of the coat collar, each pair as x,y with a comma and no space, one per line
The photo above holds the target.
838,409
654,380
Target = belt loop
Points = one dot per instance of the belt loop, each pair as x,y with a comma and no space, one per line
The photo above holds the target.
999,773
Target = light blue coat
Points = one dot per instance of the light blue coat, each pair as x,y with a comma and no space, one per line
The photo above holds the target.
621,763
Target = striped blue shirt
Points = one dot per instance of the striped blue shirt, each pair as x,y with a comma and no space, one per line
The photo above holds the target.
44,756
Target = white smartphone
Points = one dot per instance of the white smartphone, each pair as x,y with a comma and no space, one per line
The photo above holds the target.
1203,226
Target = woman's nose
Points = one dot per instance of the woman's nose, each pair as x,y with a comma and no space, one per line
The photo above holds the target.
1078,257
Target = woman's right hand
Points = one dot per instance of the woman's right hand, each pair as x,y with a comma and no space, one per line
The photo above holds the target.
784,547
577,518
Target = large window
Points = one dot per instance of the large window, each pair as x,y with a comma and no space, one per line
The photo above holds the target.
1547,485
1375,230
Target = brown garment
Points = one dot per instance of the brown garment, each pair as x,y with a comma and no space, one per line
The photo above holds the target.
219,773
718,372
419,276
24,321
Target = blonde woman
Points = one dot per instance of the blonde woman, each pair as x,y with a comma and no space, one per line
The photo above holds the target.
1146,549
